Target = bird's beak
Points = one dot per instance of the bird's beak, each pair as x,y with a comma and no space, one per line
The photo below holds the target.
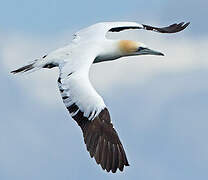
148,51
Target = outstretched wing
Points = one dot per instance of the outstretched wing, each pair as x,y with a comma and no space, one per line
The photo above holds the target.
89,111
99,30
169,29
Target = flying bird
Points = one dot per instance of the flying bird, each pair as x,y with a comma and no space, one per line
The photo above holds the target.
84,104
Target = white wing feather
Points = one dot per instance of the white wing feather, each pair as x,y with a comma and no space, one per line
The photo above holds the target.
76,89
99,30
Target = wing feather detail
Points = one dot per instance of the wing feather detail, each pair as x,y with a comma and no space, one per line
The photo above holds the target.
103,143
100,137
173,28
169,29
98,31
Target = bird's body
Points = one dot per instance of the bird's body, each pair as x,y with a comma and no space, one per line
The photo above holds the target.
85,105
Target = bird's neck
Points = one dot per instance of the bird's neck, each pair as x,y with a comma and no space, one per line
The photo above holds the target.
110,51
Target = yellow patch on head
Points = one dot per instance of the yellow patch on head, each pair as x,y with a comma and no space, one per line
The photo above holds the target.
127,46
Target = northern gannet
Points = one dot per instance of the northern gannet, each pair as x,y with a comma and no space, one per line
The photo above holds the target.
85,105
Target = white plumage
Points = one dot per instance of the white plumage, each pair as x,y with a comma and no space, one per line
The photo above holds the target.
79,90
85,105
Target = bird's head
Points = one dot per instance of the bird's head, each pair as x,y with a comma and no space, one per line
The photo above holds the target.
131,48
121,48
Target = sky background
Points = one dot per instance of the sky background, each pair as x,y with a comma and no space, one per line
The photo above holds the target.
158,104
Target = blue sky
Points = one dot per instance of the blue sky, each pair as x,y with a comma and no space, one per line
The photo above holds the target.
158,105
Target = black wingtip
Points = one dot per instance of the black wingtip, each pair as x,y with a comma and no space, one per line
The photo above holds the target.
15,71
177,27
23,69
173,28
186,25
12,72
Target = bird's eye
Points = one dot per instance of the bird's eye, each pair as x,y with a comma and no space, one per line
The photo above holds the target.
141,48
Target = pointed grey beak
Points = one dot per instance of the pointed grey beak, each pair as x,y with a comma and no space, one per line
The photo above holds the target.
148,51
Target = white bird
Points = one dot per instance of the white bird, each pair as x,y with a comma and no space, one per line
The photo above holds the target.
85,105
